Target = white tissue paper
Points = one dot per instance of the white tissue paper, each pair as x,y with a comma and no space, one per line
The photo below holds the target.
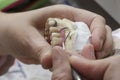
116,40
82,35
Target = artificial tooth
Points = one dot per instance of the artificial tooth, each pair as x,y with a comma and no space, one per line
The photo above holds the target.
53,29
56,41
52,23
55,34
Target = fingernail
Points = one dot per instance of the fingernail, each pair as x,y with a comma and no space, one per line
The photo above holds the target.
101,45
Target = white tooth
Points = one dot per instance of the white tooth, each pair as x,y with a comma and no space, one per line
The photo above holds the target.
55,34
56,41
53,29
51,22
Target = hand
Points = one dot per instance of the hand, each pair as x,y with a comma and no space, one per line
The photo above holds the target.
101,33
21,34
104,69
20,38
101,39
61,67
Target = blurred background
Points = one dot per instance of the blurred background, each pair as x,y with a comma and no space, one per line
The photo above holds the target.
109,9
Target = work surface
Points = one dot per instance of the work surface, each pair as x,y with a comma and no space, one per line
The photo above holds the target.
20,71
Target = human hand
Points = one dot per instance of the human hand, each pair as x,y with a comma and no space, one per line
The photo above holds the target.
20,38
101,33
61,68
22,33
101,39
103,69
61,65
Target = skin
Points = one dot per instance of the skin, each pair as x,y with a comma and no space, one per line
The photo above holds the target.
103,69
21,34
9,61
60,72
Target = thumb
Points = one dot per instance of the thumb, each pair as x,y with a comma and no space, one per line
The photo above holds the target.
37,47
43,49
88,52
90,69
61,66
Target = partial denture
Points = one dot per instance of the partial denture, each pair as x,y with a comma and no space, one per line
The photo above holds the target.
58,31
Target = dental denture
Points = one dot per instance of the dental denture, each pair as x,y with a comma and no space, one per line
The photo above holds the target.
70,35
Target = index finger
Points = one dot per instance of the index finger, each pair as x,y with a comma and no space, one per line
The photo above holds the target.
98,32
96,24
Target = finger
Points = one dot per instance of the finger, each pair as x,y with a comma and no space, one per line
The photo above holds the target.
98,31
83,15
108,44
41,48
114,68
88,52
61,66
96,24
91,70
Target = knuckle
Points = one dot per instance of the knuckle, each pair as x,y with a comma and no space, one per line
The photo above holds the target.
42,51
108,28
102,18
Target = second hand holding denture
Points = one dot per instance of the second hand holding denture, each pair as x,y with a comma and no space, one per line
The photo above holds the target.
75,74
